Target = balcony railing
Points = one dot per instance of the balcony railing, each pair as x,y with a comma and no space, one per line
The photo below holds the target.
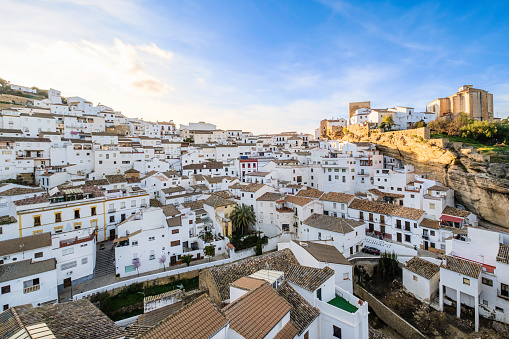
32,288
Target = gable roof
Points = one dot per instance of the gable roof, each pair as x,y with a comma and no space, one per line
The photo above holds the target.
323,252
424,268
25,268
252,187
462,266
310,193
503,254
333,224
300,201
456,212
302,313
256,313
309,278
337,197
27,243
116,178
217,201
199,319
170,210
271,196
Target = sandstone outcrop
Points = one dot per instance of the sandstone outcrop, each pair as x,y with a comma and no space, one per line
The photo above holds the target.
482,187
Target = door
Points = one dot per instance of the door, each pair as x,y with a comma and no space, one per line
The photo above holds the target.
371,227
112,234
426,245
398,237
173,260
67,282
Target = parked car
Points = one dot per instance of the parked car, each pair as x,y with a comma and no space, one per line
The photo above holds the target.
370,250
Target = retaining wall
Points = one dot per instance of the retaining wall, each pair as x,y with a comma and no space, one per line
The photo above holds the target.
387,315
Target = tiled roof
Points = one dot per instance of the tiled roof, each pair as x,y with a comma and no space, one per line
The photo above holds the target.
205,165
256,313
199,319
173,189
97,182
257,174
25,268
155,203
386,208
270,196
27,243
71,320
154,317
428,223
381,194
337,197
323,253
194,205
34,200
302,313
439,188
132,170
217,201
224,275
252,187
333,224
170,210
407,212
247,283
456,212
424,268
223,194
300,201
309,278
462,266
174,222
310,193
503,254
20,190
116,178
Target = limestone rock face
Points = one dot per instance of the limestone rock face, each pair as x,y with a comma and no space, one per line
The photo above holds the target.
482,187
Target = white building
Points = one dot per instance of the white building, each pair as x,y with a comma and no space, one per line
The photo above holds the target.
421,278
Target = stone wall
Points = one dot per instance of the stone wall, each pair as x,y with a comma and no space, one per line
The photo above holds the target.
360,131
387,315
422,132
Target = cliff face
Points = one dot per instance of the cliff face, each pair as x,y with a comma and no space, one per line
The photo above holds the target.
482,188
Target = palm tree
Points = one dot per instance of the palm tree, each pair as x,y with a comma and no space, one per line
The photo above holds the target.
242,217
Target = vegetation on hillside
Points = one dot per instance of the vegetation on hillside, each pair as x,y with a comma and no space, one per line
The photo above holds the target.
5,88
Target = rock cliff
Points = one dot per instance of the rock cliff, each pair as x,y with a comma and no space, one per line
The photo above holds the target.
482,187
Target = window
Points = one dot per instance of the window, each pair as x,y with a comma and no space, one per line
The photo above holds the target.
432,233
93,210
415,278
84,261
59,229
407,225
398,223
112,218
133,203
37,220
134,243
175,243
361,215
487,281
174,231
431,206
336,332
504,290
346,276
93,223
319,294
498,309
68,265
152,255
6,307
58,216
466,281
76,214
6,289
38,255
122,204
151,238
77,225
407,237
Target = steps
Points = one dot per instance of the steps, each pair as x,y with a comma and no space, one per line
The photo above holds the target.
105,260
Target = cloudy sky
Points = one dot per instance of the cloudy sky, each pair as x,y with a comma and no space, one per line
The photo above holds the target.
262,66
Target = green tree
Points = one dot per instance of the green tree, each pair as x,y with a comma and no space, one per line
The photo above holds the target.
186,259
420,124
387,122
209,250
387,268
242,218
259,249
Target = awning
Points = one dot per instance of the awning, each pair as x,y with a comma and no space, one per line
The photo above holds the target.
120,239
451,218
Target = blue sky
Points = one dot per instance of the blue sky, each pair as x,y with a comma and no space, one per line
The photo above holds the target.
262,66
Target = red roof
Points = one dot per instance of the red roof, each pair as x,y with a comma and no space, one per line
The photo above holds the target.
451,218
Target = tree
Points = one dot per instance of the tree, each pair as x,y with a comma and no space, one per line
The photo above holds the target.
186,258
420,124
162,261
209,250
242,218
259,249
137,264
387,268
387,122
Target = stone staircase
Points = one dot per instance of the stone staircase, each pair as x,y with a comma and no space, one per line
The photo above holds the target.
105,260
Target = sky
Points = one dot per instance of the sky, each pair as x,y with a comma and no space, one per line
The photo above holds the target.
260,66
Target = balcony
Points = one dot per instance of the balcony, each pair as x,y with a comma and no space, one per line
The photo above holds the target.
284,210
32,288
112,210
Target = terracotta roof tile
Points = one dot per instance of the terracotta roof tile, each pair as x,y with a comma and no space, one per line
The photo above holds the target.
462,266
310,193
300,201
302,313
424,268
428,223
456,212
330,223
337,197
252,187
247,283
323,253
199,319
503,254
270,196
27,243
289,331
309,278
256,313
